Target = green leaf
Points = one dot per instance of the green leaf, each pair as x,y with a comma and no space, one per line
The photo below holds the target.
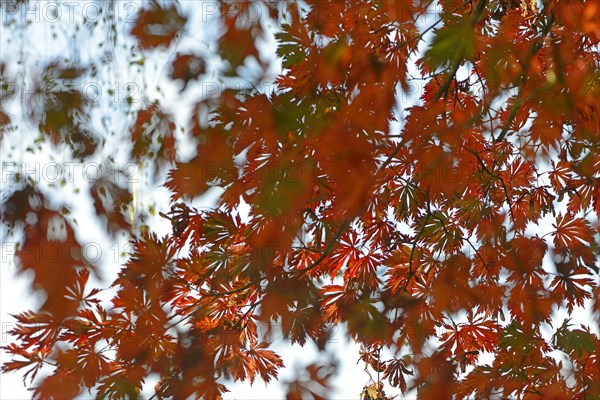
452,44
288,48
574,342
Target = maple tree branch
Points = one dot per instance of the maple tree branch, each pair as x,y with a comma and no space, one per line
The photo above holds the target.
412,251
462,238
325,253
489,107
447,82
513,113
478,254
251,307
518,101
199,303
508,201
327,250
389,159
237,290
535,391
439,219
457,62
498,177
419,36
476,17
422,34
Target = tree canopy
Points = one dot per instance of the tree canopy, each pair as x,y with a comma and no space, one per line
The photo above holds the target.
424,174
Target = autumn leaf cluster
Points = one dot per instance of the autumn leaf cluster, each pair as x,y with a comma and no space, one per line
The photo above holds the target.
457,227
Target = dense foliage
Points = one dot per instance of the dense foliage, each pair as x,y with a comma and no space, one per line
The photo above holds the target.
462,225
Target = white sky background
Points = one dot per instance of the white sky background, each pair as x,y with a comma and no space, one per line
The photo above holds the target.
39,44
